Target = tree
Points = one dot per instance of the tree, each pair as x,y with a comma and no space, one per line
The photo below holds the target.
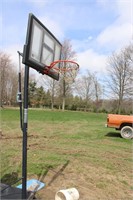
121,74
8,76
37,95
97,91
32,93
51,85
85,88
60,90
12,87
128,52
40,97
67,54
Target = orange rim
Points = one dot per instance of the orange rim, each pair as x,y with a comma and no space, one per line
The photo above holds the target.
52,65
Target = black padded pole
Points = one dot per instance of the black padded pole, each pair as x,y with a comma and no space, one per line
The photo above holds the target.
25,126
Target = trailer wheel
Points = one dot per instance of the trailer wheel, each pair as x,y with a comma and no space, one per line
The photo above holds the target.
127,132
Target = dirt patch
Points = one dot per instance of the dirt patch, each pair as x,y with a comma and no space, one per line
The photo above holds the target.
2,136
92,183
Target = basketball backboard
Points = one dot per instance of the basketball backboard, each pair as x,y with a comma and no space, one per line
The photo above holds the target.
41,48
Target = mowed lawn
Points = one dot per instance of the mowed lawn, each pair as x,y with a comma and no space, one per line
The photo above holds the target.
68,149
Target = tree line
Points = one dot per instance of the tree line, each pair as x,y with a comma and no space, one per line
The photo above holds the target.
86,93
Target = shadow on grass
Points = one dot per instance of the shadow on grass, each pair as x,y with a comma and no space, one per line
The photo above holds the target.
49,168
59,172
10,179
113,134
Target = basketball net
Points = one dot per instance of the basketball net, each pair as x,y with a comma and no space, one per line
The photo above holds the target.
67,69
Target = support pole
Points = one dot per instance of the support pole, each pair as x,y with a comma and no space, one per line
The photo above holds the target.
25,126
19,96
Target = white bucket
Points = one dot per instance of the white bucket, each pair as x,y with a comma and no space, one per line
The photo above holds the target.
68,194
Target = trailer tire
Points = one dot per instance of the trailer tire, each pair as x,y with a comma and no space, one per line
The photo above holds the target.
127,132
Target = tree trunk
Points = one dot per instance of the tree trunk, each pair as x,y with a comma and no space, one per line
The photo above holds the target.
63,104
64,96
52,96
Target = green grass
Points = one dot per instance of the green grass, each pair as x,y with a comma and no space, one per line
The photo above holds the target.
56,137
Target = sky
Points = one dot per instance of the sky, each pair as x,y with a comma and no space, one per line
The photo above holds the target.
96,28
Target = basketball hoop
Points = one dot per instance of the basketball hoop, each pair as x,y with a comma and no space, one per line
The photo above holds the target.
68,69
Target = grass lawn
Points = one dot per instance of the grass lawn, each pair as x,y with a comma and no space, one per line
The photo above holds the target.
68,149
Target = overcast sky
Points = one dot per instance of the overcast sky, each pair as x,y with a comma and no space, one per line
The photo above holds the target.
96,28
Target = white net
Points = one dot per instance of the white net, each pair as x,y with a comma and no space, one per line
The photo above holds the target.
67,69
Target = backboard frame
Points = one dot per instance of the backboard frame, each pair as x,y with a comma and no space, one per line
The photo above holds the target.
45,51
